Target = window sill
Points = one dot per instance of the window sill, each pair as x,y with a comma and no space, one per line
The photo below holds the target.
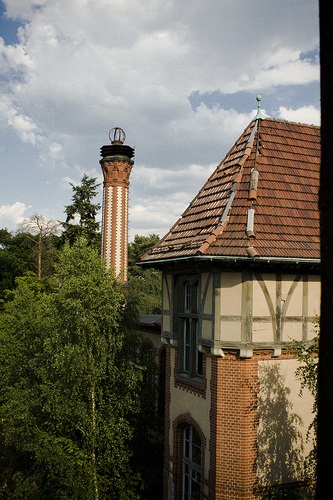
194,385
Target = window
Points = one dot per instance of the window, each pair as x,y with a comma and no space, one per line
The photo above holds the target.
191,464
190,359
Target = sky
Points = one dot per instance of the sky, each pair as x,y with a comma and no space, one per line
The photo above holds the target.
179,77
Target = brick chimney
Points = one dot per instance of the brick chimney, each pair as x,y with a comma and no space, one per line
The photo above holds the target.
116,165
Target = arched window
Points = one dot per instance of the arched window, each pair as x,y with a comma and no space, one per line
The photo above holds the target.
191,474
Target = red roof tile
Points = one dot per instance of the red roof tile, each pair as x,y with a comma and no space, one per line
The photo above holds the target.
285,201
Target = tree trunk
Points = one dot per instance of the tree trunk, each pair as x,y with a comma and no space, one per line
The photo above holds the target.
93,438
40,250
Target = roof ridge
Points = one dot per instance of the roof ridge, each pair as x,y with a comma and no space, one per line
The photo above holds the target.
223,221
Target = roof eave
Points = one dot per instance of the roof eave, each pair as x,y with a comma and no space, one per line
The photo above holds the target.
294,261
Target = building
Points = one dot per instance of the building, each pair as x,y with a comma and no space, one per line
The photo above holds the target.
241,282
116,166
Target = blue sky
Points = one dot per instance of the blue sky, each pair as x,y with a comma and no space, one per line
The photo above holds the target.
181,78
8,27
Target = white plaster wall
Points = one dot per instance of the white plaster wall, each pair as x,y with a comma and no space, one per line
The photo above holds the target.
231,294
231,331
184,401
260,306
207,285
262,331
314,295
230,328
292,331
277,430
165,323
296,297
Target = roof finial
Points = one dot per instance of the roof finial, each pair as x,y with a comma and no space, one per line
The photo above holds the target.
260,115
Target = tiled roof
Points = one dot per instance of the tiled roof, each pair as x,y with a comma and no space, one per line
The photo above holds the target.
261,201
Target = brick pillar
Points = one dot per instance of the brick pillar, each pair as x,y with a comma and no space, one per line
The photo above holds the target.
233,419
116,165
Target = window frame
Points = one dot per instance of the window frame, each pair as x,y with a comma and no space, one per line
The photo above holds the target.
190,361
191,469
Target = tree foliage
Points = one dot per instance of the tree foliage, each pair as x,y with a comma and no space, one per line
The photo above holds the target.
145,284
68,386
138,247
81,214
21,254
148,435
16,259
307,374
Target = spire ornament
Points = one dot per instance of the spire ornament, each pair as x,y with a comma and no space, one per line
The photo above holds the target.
260,115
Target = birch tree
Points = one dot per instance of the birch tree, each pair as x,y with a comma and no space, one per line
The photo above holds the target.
68,386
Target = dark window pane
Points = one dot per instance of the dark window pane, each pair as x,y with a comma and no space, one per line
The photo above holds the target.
195,491
195,295
191,464
190,361
196,455
198,354
187,296
186,344
196,447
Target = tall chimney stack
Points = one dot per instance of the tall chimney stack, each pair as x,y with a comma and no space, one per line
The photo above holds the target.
116,165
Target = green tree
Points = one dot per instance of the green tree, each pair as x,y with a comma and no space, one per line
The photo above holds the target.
307,374
145,290
148,426
15,259
138,247
68,386
18,257
144,284
81,214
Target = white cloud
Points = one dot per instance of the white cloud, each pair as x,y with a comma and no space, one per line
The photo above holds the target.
305,114
289,72
82,67
12,215
25,128
13,58
154,217
163,179
26,10
163,195
55,150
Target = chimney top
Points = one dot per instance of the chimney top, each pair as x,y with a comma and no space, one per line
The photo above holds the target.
117,135
117,148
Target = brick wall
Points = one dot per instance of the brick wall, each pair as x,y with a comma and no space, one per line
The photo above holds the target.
233,419
231,442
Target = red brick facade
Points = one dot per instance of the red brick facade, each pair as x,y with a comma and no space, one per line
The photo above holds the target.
233,427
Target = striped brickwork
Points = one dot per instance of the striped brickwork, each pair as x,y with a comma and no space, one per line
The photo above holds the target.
116,171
